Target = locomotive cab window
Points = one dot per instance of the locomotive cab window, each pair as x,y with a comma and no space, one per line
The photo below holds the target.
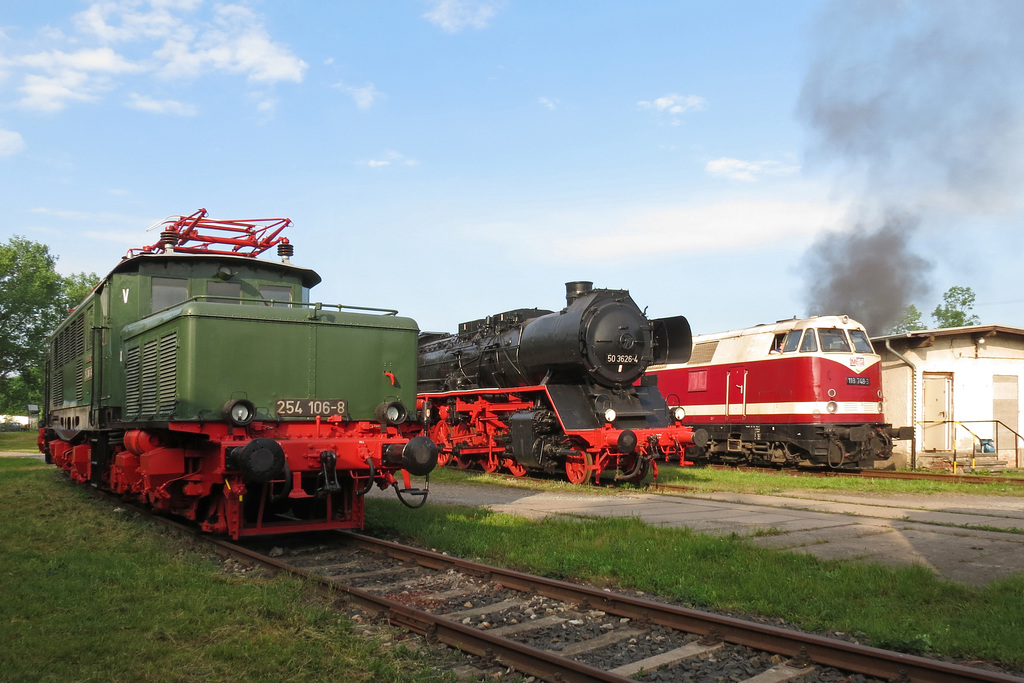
861,343
225,292
834,341
792,341
276,295
167,291
810,342
777,342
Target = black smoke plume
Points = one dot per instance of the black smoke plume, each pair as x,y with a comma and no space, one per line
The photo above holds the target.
855,272
918,104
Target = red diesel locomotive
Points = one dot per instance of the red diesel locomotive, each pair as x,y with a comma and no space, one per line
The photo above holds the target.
554,392
798,392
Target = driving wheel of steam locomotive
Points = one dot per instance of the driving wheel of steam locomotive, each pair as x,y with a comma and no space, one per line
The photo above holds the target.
515,467
577,467
442,435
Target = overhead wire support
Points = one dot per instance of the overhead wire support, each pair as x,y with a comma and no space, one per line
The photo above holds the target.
197,234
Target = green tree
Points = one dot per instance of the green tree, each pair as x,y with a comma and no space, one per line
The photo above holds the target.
910,321
34,298
954,311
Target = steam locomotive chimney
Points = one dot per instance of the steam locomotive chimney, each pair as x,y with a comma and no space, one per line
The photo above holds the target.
574,290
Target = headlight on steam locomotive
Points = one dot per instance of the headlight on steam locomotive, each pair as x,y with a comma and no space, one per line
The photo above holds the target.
239,412
678,413
610,415
391,413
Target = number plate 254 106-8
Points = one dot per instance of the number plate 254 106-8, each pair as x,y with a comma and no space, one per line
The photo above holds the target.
310,407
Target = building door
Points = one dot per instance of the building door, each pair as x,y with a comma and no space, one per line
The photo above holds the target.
937,431
1006,411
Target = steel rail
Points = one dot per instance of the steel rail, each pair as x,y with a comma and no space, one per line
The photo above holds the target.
827,651
547,665
494,649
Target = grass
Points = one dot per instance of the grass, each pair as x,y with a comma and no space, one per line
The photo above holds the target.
19,442
96,594
709,479
907,609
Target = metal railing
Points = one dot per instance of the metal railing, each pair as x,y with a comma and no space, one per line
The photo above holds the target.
978,441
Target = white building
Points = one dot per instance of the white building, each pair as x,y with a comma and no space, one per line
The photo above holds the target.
959,387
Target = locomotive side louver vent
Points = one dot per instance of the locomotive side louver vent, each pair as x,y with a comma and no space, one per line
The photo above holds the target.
131,380
58,388
79,377
148,398
86,332
151,378
703,352
168,373
78,335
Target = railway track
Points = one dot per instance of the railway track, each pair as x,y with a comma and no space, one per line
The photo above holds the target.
559,631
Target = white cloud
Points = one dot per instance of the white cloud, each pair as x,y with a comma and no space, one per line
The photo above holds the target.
685,230
364,97
124,21
171,40
239,44
747,171
11,143
52,93
548,102
673,105
454,15
391,158
153,106
69,76
98,60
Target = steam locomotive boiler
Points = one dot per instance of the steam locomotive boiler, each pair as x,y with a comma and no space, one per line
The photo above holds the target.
532,389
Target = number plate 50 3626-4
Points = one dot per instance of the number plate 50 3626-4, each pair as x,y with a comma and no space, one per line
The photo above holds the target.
310,407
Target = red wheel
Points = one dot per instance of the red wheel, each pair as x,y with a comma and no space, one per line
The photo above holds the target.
577,467
515,467
464,462
441,434
490,465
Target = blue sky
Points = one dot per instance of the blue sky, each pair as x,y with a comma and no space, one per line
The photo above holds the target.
456,158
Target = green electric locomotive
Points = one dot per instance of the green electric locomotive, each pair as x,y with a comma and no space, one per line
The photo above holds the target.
202,381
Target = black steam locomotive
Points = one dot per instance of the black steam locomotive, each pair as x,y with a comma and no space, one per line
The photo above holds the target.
531,389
